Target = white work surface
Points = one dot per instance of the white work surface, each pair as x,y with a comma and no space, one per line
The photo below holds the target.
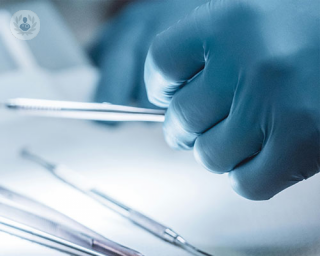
132,163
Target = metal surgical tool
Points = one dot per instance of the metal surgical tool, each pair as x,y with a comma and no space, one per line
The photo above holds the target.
25,218
85,111
81,183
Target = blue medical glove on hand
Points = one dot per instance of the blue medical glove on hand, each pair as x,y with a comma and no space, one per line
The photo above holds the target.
122,49
241,80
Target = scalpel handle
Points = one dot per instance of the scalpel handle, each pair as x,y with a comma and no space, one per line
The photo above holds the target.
153,226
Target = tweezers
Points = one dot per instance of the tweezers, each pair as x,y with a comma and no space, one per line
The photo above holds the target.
30,220
83,110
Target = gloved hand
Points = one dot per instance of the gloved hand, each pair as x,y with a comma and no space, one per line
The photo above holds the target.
121,51
241,80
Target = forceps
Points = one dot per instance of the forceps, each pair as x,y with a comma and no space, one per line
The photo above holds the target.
30,220
86,111
82,184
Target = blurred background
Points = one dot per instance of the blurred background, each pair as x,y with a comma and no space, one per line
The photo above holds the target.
94,51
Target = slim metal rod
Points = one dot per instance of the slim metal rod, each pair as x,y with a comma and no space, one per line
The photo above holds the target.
152,226
83,110
28,155
44,239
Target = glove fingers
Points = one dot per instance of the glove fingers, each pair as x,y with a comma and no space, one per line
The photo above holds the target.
201,104
176,55
142,98
281,163
227,144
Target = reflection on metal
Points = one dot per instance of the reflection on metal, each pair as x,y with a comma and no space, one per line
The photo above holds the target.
81,183
85,111
30,220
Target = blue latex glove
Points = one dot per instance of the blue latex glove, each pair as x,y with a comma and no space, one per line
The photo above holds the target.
241,80
121,51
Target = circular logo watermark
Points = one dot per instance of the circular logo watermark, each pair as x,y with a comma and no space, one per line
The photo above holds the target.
25,25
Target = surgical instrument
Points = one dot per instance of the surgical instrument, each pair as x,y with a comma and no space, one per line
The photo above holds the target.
82,184
83,110
30,220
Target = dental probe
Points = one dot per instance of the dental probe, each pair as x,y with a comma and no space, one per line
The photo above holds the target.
82,184
83,110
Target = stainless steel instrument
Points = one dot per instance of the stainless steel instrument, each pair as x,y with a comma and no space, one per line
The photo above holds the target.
81,183
30,220
81,110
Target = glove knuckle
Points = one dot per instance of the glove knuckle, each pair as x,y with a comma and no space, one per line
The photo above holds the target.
308,140
156,83
177,124
274,66
246,190
239,8
182,116
159,51
153,98
304,121
209,158
225,16
301,130
177,138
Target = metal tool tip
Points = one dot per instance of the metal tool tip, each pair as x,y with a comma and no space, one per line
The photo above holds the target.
24,152
188,247
196,251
